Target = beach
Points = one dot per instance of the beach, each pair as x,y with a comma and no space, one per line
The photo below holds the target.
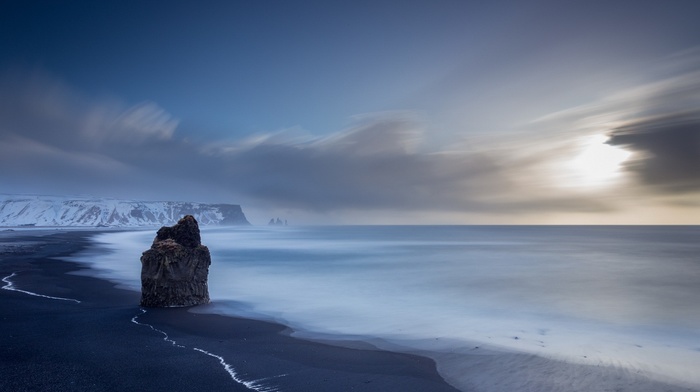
68,331
106,342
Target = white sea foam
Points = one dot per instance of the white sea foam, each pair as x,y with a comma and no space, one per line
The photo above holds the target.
117,258
252,385
619,296
10,286
165,335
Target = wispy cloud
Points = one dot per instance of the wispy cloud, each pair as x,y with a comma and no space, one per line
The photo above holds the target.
96,145
658,120
55,139
382,163
38,106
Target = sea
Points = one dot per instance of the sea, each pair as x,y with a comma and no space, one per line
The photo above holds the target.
623,296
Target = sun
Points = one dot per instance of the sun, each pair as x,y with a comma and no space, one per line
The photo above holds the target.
598,163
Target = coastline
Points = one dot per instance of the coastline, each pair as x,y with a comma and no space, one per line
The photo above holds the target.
106,342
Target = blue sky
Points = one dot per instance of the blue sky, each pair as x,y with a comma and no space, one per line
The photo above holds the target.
363,111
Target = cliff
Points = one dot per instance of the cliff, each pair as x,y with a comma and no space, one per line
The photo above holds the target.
18,210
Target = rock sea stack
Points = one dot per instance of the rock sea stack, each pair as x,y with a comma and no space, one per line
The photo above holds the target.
175,270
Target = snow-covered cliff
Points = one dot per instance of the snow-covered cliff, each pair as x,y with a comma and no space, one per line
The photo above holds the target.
21,210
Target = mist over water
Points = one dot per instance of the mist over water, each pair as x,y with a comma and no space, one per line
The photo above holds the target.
618,295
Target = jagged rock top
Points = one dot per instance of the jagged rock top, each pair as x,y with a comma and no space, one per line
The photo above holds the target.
185,233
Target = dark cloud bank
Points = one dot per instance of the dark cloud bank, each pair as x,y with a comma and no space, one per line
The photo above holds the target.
670,150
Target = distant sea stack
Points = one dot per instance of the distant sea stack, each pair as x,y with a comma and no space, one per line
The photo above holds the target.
175,270
277,222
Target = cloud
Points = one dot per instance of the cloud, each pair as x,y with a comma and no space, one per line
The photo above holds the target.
369,165
669,150
381,164
37,106
56,140
663,127
142,122
658,120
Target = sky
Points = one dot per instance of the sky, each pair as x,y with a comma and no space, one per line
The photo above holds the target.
361,112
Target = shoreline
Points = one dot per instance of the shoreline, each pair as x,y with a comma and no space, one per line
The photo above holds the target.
106,342
193,350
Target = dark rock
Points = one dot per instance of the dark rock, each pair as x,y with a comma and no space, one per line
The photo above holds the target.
174,271
277,222
185,233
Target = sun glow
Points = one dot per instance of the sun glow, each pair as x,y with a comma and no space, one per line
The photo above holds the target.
598,163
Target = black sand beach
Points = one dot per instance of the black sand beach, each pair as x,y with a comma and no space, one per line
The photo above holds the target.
106,343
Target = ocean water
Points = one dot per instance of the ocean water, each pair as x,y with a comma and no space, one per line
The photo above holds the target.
625,296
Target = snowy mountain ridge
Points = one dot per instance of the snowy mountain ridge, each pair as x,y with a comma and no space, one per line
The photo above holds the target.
23,210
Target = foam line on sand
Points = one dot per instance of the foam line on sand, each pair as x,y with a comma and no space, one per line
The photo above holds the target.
252,385
10,286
